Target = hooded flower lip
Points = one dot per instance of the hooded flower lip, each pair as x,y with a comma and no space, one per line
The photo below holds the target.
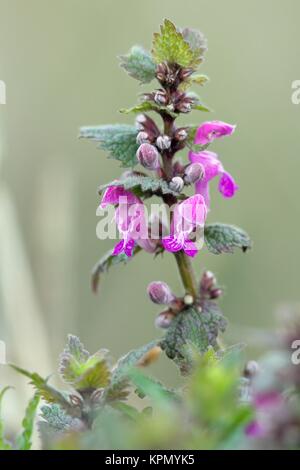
212,168
112,195
188,216
211,130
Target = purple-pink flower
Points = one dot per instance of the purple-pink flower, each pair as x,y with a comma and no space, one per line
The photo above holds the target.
130,219
209,131
212,168
188,215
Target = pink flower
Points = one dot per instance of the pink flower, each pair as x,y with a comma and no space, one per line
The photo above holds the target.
209,131
113,193
212,168
188,216
130,219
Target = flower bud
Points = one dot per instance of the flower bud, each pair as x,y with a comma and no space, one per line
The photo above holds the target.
164,319
180,134
184,107
148,156
140,121
142,138
160,97
163,142
160,293
208,281
251,369
185,73
193,173
176,184
216,293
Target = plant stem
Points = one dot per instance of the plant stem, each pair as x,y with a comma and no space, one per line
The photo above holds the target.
186,273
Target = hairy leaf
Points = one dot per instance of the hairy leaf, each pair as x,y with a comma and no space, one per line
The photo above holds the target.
196,41
142,185
222,238
105,263
192,327
170,46
118,139
24,440
150,106
47,392
118,388
81,370
57,418
138,64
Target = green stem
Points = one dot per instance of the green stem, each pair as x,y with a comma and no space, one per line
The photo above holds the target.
186,273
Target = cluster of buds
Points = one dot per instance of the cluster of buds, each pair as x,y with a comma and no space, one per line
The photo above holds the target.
182,102
161,294
171,75
208,286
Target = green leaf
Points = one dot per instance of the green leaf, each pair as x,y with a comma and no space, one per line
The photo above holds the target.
170,46
138,64
193,328
128,410
196,41
201,107
24,440
118,388
147,386
129,360
196,79
47,392
118,139
82,371
105,263
150,106
142,185
222,238
4,444
57,418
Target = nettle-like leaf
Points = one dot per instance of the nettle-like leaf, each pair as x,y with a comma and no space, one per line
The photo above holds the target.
57,418
138,64
81,370
150,106
118,388
170,46
106,262
143,186
198,329
118,139
222,238
46,391
24,440
197,42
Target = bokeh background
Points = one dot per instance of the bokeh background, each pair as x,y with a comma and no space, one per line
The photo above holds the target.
58,60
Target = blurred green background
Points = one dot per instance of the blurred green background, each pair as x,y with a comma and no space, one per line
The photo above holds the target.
58,60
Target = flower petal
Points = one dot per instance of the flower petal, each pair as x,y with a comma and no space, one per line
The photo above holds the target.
227,185
118,248
209,131
172,244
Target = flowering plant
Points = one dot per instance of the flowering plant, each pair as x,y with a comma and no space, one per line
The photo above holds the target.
223,403
150,152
